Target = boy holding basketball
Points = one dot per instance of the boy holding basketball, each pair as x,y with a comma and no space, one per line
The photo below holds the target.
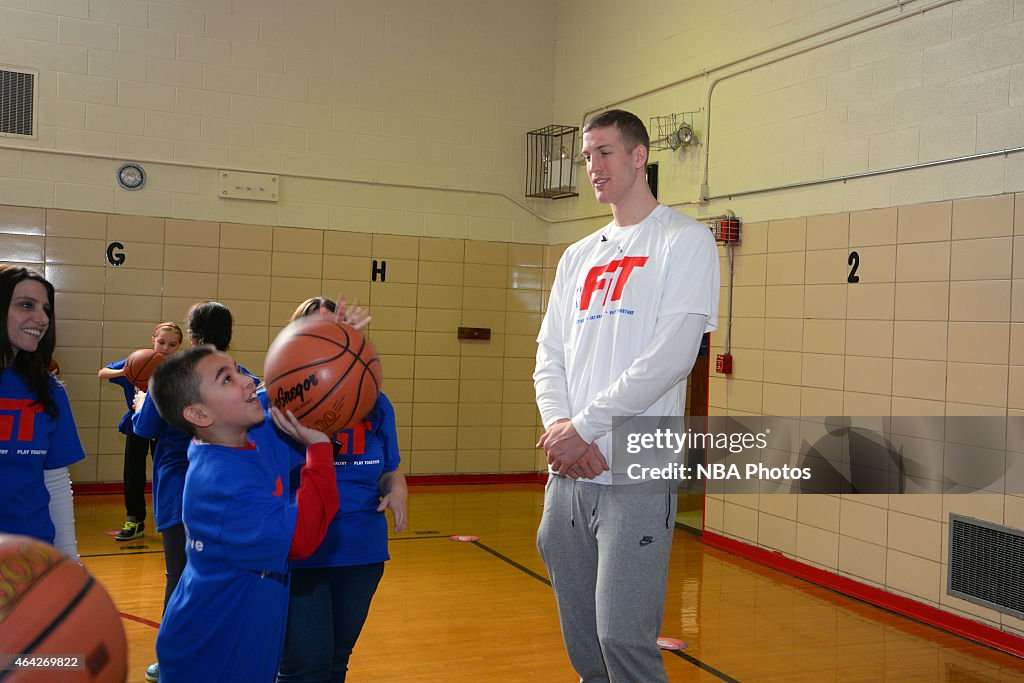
226,618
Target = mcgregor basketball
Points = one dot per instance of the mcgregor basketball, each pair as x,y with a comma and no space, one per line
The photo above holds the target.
328,374
56,621
139,367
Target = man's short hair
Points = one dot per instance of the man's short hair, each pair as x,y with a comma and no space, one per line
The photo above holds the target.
631,129
175,385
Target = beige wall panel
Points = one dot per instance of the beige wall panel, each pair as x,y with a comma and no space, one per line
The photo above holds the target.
777,533
877,264
784,301
73,251
395,246
817,546
192,233
133,281
922,301
925,222
981,259
983,217
830,231
979,342
785,268
787,235
923,262
783,334
817,401
922,340
827,266
919,379
870,302
21,220
80,224
477,460
243,236
244,287
979,301
872,228
22,248
869,338
863,560
437,319
78,306
824,336
440,249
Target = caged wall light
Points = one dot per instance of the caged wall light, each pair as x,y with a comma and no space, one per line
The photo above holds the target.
550,166
674,131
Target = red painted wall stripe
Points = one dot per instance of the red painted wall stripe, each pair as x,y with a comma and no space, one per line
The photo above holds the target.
961,626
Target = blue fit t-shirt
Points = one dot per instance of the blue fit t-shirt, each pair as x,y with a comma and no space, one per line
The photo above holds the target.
32,441
358,534
226,618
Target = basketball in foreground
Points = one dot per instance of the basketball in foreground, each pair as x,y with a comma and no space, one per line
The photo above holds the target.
57,623
327,373
140,366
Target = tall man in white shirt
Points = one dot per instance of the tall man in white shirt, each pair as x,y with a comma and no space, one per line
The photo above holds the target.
628,308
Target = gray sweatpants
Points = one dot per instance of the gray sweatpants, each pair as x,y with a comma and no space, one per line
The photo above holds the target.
606,549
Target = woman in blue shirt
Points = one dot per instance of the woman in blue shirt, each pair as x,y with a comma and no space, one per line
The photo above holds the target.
38,436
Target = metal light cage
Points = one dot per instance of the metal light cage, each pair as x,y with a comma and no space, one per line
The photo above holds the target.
673,131
550,166
726,229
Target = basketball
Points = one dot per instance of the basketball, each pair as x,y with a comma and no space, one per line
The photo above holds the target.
140,366
327,373
56,621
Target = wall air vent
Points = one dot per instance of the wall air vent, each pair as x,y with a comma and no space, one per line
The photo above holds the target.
985,562
18,93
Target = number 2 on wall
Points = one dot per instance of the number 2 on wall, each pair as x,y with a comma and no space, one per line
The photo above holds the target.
854,261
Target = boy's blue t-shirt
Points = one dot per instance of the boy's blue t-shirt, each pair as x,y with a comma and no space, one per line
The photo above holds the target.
358,534
31,441
170,460
226,619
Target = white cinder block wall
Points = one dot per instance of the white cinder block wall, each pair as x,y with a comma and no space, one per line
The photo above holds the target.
423,94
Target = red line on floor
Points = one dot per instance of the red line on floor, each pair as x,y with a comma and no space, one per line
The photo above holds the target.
132,617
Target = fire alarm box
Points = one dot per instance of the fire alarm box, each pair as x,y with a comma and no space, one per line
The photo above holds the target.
723,363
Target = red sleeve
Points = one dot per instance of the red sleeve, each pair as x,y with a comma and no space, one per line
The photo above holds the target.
316,500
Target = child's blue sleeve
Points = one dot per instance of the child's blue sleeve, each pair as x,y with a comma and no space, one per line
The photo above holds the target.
147,422
388,433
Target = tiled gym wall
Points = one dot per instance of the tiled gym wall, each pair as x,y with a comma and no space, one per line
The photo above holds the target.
934,327
462,406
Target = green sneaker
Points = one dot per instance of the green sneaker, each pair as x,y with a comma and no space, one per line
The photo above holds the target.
153,672
130,531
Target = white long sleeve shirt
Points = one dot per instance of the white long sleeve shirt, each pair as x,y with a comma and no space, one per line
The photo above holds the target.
626,314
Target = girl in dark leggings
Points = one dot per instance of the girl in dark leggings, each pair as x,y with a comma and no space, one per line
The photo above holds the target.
209,322
167,337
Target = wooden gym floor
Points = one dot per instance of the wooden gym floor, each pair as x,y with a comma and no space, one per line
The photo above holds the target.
448,611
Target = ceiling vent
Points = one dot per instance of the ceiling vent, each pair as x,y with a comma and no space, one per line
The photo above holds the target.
18,95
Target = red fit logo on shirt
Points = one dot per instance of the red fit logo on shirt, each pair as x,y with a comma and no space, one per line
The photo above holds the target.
352,441
599,277
25,416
